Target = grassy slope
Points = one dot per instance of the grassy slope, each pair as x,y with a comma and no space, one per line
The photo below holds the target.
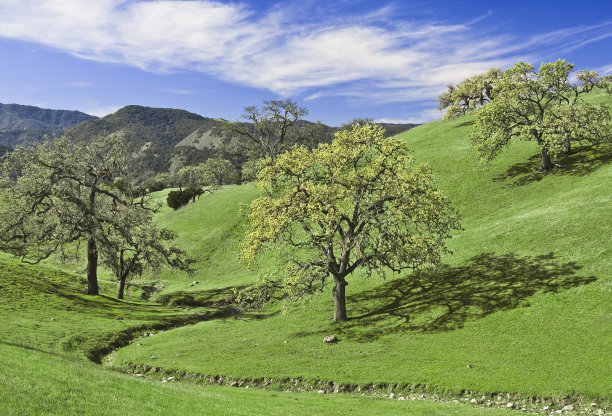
525,299
48,325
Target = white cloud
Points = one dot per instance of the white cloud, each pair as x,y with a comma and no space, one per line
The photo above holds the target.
420,117
359,58
177,91
101,111
80,84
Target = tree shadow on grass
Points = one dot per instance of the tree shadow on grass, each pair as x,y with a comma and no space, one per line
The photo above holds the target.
445,298
584,160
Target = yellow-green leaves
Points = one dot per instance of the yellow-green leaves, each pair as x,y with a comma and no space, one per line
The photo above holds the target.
359,202
542,106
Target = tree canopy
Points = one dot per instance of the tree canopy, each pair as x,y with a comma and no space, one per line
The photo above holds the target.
270,129
359,202
543,106
470,94
63,194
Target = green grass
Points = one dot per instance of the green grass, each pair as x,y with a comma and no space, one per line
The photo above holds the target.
48,326
524,299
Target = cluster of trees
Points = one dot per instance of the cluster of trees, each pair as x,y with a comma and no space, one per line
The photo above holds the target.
545,106
64,195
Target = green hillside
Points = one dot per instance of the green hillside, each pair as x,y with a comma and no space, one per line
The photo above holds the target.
21,124
519,313
524,299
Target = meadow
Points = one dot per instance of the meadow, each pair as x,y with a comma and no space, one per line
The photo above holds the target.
518,313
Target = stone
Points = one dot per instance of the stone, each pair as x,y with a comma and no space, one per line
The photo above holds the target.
234,384
330,339
52,319
474,401
510,405
321,392
164,381
568,408
170,378
392,396
401,398
593,404
546,408
469,366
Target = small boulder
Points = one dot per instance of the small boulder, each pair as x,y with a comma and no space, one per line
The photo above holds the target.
510,405
321,392
568,408
392,396
330,339
469,366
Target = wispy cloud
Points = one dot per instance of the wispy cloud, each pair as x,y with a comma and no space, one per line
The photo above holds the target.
364,57
80,84
177,91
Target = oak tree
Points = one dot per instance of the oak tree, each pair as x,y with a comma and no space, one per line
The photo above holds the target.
543,106
360,202
63,194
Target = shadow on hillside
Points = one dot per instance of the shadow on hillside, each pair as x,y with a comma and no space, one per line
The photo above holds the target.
204,298
446,298
465,124
583,161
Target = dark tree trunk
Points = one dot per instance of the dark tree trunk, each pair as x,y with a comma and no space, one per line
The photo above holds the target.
567,147
339,300
546,163
121,288
92,267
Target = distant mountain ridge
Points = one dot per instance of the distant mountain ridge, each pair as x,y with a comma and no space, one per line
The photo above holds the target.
159,139
21,124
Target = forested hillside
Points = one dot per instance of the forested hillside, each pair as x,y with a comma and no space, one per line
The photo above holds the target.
23,123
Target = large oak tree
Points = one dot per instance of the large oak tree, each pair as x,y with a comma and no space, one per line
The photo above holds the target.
544,106
61,194
360,202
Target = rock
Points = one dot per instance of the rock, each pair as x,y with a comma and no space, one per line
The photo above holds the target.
474,401
546,408
568,408
321,392
234,384
510,405
153,357
401,398
164,381
392,396
593,404
170,378
52,319
469,366
330,338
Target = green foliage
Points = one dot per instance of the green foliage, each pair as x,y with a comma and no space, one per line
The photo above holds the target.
469,94
180,198
65,194
22,124
544,107
360,202
217,172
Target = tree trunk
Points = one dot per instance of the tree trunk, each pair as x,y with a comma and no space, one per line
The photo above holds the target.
339,300
546,163
567,147
121,288
92,267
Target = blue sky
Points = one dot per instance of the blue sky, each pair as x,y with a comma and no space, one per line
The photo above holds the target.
387,60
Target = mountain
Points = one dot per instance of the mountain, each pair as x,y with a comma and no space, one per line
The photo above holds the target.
152,136
25,123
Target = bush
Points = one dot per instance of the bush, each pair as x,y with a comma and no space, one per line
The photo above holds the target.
177,199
